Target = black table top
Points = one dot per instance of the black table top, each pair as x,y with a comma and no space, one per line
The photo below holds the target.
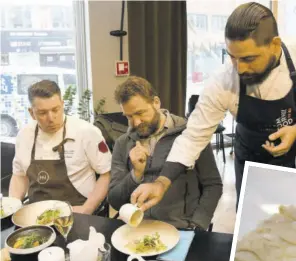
206,246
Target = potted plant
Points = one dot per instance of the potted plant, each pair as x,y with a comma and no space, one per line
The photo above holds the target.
83,110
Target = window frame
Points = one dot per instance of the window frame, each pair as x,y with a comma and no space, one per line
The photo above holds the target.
81,55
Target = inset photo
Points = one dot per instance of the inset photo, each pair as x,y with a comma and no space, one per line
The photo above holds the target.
265,228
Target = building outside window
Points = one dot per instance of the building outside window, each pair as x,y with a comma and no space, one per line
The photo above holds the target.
287,19
219,22
201,22
37,42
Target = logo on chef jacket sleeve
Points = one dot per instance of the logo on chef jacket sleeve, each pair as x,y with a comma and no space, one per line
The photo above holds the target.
285,119
103,147
42,177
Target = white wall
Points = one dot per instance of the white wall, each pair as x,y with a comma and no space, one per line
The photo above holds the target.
105,16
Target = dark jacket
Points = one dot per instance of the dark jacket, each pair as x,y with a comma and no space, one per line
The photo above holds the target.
192,197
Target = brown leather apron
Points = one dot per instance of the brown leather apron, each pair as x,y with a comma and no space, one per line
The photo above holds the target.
49,180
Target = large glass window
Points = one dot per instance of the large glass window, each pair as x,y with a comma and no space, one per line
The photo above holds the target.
287,19
206,47
25,80
36,43
199,21
219,22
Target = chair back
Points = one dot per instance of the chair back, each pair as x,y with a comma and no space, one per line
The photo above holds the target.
191,103
112,126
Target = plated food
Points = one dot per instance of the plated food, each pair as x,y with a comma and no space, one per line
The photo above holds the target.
150,238
274,239
2,213
9,206
42,212
30,239
147,244
48,216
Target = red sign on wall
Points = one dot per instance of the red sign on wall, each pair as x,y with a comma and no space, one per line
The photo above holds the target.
122,68
197,77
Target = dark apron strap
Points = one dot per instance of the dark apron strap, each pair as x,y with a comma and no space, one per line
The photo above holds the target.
291,67
34,144
289,62
242,88
116,216
59,147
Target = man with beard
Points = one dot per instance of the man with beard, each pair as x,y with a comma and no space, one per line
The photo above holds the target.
139,155
258,88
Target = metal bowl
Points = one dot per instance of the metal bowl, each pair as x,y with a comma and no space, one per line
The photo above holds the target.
44,231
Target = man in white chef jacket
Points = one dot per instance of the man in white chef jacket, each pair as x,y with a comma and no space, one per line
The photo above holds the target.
259,90
57,156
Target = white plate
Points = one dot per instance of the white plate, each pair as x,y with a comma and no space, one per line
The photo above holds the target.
169,235
27,215
10,205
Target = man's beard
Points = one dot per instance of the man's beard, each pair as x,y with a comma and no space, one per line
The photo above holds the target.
257,78
145,129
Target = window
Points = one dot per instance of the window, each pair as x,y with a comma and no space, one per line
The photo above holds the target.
198,21
26,16
4,59
16,17
60,56
219,22
3,18
61,17
24,81
287,19
201,22
69,79
37,42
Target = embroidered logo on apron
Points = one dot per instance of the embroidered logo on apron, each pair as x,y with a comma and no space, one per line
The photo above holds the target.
42,177
285,119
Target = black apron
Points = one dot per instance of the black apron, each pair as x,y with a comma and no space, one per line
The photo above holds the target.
256,120
48,179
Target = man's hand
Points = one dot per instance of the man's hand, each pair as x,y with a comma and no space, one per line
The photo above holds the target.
81,210
149,194
18,186
138,156
287,135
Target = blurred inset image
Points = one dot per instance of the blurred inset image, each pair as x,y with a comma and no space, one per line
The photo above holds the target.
265,228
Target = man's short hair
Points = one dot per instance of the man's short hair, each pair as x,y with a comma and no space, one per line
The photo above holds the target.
134,86
252,20
43,89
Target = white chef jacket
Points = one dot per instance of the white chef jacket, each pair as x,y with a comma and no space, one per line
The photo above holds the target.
83,157
221,94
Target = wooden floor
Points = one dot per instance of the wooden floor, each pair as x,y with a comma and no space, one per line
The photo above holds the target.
224,217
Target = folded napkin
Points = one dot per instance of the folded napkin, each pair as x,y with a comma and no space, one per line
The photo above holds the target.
180,251
87,249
